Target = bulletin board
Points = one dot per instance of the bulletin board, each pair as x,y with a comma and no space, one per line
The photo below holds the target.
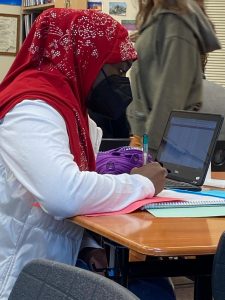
124,11
9,34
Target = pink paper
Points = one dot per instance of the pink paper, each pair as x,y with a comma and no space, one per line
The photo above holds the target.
135,205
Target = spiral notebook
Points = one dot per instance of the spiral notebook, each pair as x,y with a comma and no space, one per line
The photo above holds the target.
189,203
189,199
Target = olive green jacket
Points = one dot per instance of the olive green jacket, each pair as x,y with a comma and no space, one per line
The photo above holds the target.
168,73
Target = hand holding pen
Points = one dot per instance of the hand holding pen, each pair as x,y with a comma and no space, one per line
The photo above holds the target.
153,171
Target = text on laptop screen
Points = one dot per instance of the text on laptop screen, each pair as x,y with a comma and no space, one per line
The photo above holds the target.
187,141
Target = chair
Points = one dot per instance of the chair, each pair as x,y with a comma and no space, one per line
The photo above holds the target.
112,143
45,280
218,271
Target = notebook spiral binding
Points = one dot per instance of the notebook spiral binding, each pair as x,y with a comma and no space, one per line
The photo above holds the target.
188,203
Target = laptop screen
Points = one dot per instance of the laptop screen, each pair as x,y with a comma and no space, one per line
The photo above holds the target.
187,145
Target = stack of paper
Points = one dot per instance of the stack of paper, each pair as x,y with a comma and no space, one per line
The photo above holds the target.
196,204
215,182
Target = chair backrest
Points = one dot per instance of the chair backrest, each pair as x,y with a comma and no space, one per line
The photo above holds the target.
218,271
112,143
44,279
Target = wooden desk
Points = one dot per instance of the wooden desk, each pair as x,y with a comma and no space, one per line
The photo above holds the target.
192,240
145,234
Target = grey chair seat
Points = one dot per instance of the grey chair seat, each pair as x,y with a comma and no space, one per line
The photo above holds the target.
48,280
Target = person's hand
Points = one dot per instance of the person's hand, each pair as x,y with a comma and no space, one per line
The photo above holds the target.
95,258
155,172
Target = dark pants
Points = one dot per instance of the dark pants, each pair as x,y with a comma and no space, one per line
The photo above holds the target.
145,288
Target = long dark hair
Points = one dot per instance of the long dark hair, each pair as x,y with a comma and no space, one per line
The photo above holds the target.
148,6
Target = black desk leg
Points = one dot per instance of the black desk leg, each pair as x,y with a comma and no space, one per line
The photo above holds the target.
203,271
118,260
203,288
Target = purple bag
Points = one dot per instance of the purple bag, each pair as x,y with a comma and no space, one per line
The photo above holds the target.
120,160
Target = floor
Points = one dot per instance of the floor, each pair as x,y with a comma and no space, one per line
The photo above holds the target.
184,288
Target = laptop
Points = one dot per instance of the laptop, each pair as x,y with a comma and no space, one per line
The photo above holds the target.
187,147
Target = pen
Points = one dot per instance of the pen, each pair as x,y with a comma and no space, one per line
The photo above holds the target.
145,149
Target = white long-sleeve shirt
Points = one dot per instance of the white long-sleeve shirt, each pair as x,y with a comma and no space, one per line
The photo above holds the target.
36,165
35,146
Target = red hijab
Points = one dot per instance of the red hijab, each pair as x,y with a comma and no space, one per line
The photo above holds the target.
58,63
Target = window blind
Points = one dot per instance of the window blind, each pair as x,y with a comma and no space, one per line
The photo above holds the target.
215,68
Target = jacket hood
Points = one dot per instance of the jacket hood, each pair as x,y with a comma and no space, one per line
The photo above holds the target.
196,20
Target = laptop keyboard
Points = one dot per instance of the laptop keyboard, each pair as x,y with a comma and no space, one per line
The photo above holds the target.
173,184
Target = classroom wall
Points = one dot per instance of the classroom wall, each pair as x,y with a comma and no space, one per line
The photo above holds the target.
6,61
215,68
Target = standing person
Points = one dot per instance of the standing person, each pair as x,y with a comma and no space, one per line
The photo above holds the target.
69,61
174,37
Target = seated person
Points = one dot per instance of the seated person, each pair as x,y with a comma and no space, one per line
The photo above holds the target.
47,158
